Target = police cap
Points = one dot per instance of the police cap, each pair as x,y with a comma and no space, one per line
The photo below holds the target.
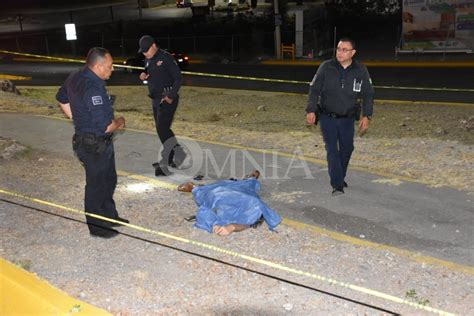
145,43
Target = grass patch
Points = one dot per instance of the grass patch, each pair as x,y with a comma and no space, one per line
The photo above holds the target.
25,264
413,296
283,112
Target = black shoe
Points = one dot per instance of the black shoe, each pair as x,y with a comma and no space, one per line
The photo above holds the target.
345,184
104,233
162,171
337,192
120,220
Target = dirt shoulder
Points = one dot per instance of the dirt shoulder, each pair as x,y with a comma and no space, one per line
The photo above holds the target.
429,143
131,276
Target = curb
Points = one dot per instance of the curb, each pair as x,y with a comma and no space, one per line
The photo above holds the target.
23,293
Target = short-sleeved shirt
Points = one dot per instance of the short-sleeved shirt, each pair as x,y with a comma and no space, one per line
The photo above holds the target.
164,73
92,110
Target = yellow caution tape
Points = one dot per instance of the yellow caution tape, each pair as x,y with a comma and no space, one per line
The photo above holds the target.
203,74
13,77
263,262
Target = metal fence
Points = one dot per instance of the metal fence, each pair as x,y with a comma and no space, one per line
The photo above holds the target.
232,47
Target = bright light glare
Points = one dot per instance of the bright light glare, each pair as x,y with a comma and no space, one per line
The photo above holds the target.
139,187
70,31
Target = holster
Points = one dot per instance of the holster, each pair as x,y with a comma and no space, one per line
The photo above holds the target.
91,143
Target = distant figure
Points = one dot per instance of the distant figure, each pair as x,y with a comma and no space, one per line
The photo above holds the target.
84,99
333,95
230,206
164,80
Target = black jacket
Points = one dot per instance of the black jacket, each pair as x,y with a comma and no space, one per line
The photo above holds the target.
330,92
164,73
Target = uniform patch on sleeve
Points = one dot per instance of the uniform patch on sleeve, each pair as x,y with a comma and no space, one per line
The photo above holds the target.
97,100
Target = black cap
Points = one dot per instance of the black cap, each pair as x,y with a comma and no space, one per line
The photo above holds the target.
145,43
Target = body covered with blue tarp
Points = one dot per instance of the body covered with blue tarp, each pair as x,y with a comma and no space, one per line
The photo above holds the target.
232,202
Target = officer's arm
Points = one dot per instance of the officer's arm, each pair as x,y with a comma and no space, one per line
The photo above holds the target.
63,101
315,88
116,124
367,94
66,108
175,73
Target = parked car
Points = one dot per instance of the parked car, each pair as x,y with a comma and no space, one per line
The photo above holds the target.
184,3
139,61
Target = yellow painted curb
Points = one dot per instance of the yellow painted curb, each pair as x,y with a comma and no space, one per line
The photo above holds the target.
23,293
12,77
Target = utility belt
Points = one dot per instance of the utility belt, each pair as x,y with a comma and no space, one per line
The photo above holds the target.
153,95
354,112
91,143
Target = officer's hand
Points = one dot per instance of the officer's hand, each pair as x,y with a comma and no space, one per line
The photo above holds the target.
311,118
168,100
363,125
144,76
120,122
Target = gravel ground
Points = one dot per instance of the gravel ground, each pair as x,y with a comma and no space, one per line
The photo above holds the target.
130,276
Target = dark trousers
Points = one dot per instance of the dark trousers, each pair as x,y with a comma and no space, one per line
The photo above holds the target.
164,114
338,134
101,180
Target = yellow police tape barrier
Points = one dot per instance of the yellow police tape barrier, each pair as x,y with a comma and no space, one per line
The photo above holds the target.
203,74
239,255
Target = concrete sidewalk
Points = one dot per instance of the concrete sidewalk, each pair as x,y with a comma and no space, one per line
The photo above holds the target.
433,222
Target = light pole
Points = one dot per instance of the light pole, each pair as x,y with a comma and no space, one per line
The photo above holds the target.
277,30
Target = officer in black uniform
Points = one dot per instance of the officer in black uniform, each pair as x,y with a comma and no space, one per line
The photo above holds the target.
164,81
334,95
84,99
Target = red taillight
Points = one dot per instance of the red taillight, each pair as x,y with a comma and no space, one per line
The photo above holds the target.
186,57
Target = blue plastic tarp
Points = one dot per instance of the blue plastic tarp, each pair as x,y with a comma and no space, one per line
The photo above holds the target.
232,202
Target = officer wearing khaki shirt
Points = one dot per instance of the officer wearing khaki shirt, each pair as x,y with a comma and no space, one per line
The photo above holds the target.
333,100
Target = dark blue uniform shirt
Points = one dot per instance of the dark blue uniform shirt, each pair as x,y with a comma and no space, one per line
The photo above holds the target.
336,89
165,76
90,104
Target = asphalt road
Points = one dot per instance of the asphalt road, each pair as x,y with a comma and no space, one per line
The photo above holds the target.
436,222
414,84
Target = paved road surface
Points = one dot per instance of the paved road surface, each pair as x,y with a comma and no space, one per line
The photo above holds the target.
438,78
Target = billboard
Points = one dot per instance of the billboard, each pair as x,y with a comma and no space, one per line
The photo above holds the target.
438,25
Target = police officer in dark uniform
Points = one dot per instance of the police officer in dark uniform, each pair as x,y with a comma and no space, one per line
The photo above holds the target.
334,95
164,81
84,99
